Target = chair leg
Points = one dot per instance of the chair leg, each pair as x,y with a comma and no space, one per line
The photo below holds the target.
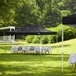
14,51
11,52
48,52
69,67
17,51
24,52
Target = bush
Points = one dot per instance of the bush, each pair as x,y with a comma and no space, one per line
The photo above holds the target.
29,38
44,39
51,38
36,39
69,33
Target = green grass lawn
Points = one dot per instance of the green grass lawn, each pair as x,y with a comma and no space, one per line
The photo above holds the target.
37,65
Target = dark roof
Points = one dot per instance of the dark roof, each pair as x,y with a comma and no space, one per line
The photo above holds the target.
31,29
69,20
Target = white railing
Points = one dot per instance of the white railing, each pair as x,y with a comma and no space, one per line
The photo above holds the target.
7,39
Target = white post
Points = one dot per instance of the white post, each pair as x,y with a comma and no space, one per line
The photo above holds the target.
10,35
14,36
57,43
62,46
5,46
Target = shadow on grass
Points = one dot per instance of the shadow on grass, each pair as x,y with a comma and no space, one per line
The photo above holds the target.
26,70
32,65
5,47
34,71
32,57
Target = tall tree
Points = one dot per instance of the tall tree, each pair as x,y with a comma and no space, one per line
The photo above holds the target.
67,7
27,13
7,11
51,15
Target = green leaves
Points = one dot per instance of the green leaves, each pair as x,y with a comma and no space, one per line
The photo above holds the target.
68,5
47,13
27,13
7,11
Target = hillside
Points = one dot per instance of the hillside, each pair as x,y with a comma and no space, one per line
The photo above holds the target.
69,47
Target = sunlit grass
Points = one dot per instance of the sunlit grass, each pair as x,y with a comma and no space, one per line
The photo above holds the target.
36,65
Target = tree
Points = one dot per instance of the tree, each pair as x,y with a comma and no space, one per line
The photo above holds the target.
51,14
44,12
27,13
67,7
7,11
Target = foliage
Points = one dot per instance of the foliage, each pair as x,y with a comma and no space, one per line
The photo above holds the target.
69,33
27,13
29,38
46,13
7,11
67,5
65,12
36,39
52,17
44,39
50,14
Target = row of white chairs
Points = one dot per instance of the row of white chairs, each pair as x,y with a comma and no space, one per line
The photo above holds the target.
29,49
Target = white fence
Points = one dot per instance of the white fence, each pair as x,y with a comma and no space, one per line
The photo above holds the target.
7,39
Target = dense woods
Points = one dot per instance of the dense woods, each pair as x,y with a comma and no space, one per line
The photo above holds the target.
43,12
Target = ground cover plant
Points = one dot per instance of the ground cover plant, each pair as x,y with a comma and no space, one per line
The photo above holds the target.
36,65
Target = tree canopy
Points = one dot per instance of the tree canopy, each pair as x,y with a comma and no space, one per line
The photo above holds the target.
44,12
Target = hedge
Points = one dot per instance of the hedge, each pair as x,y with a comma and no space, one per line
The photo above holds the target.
69,33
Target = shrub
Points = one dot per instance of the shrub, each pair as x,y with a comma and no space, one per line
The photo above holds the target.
36,39
51,38
69,33
44,39
29,38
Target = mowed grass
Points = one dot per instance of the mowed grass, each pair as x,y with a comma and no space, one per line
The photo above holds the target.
37,65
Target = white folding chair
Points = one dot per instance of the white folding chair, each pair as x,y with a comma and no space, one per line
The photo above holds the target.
32,49
38,49
14,48
28,49
24,49
48,49
44,49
